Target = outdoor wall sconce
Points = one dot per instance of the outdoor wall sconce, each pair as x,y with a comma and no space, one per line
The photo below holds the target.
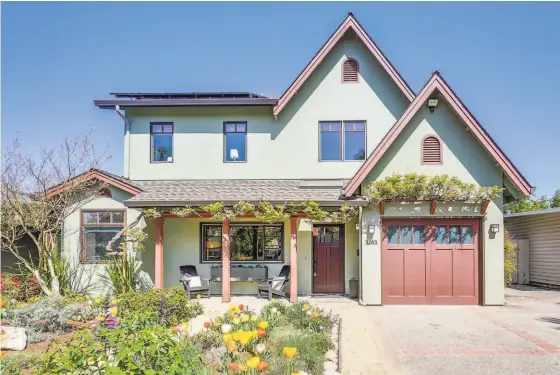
357,227
371,229
432,104
494,228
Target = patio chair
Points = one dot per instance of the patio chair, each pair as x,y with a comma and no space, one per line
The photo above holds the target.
273,286
193,283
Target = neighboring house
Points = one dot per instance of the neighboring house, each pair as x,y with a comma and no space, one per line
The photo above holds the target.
542,229
347,119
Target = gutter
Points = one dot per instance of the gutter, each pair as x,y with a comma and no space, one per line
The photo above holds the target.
360,257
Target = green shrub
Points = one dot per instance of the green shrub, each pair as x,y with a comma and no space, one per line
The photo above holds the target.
122,282
207,339
132,347
510,258
13,363
172,305
48,317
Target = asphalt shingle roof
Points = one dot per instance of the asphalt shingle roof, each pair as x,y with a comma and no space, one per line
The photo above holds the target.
181,192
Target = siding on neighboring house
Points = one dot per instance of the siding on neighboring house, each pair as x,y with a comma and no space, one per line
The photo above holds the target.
543,232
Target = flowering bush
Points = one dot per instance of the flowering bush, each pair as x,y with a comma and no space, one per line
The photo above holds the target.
16,289
136,345
172,305
283,339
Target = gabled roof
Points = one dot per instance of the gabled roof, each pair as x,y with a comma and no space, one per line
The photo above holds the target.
437,83
349,23
91,174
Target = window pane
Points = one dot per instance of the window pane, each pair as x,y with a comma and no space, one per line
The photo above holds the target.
273,243
168,128
118,217
455,234
240,128
419,234
230,128
441,234
328,235
96,241
245,244
467,234
354,145
104,217
236,147
393,234
406,234
157,128
162,147
212,242
330,146
90,217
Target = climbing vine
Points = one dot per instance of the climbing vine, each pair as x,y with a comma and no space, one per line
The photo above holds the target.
264,211
422,187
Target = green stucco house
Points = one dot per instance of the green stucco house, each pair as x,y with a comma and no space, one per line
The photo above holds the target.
349,118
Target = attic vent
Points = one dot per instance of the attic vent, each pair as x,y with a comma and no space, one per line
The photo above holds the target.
431,150
104,193
350,69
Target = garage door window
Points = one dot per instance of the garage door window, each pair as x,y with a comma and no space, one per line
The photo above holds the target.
405,234
454,234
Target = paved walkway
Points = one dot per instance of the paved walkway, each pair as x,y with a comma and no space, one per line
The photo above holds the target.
362,347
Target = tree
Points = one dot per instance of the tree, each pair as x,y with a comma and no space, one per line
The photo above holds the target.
555,201
38,191
528,204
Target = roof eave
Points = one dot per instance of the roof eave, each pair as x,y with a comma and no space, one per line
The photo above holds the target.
197,203
111,103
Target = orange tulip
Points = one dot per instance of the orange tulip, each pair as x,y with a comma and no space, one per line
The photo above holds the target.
263,365
206,324
315,314
233,366
231,346
260,332
231,314
242,367
241,307
2,353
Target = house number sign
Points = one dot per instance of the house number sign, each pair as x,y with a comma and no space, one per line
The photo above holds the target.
371,242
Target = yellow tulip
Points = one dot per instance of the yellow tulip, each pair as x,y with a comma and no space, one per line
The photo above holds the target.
305,307
114,310
290,352
227,337
263,324
100,318
236,321
253,362
245,318
254,318
114,301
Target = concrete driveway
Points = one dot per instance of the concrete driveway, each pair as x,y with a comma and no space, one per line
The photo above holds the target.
522,337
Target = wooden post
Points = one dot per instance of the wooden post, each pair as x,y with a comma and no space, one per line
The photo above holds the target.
159,253
293,260
226,256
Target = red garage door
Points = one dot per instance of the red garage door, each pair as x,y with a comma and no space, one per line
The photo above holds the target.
430,261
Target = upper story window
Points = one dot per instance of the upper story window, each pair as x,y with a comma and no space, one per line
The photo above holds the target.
162,142
250,242
97,229
431,150
350,70
342,140
235,141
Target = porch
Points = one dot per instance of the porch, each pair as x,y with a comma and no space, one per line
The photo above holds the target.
214,247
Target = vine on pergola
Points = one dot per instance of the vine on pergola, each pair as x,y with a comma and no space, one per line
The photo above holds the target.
420,187
264,211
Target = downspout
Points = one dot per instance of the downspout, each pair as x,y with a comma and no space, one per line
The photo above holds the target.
126,141
360,257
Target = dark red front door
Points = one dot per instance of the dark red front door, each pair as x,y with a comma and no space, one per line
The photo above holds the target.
328,259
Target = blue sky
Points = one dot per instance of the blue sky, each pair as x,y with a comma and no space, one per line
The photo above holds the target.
502,59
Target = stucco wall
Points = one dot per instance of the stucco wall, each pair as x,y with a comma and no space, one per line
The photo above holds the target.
462,157
71,236
181,242
290,144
